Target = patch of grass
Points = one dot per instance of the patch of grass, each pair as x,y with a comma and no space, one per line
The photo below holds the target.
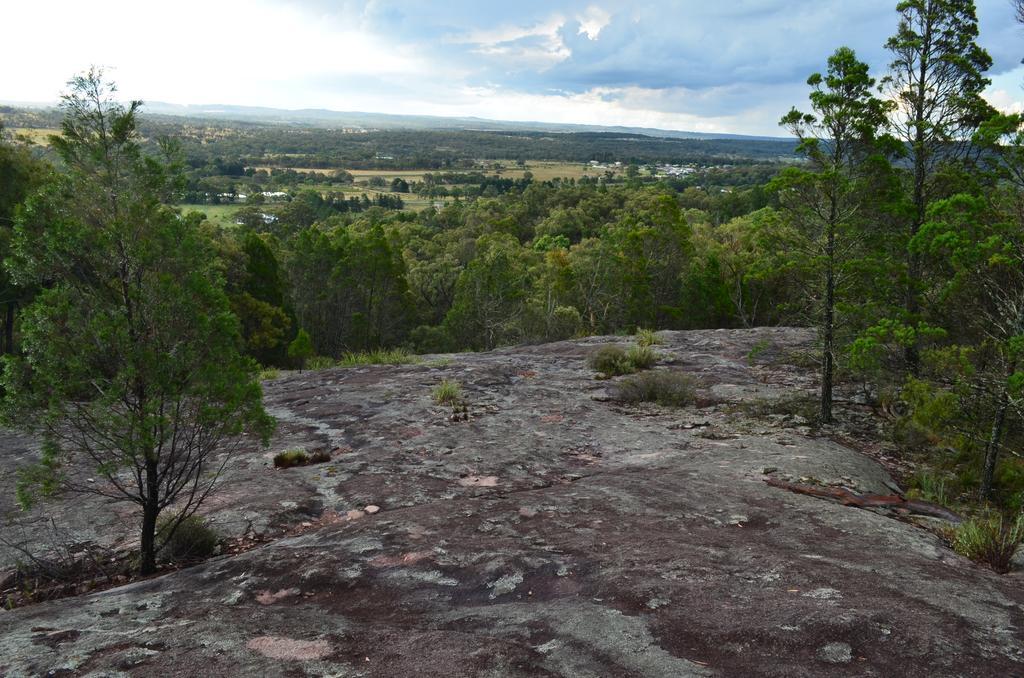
930,487
269,373
219,215
670,388
648,338
757,350
379,356
611,361
448,392
292,458
320,362
991,540
192,539
642,357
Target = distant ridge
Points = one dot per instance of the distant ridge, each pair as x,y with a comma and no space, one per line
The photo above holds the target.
318,117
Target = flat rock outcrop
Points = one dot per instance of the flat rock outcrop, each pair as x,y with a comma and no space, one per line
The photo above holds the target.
545,531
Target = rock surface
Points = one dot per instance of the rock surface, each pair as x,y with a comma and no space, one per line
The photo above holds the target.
549,532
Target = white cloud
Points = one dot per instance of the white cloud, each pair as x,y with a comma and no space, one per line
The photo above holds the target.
592,21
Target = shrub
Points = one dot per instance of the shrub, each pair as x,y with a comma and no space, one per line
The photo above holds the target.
611,361
192,539
448,392
642,357
674,389
647,338
291,458
991,540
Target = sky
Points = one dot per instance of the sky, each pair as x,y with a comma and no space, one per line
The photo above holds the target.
710,66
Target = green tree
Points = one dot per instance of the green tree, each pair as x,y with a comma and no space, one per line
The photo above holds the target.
301,349
827,199
490,295
936,78
130,351
349,287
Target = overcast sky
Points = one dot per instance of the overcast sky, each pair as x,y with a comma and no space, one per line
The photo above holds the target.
703,65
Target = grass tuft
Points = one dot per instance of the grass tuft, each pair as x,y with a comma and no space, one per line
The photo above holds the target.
647,338
991,540
378,356
642,357
448,392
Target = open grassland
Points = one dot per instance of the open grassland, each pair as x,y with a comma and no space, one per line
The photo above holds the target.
36,135
220,215
541,170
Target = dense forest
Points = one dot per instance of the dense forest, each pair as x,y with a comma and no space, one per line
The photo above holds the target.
899,236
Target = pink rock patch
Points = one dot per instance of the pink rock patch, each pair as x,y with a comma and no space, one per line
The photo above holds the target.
479,481
410,558
355,514
277,647
269,598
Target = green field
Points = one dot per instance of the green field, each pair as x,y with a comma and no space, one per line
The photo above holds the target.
221,215
36,135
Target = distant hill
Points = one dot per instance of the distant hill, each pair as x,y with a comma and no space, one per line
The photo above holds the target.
318,117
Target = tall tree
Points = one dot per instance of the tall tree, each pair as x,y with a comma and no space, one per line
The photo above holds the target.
130,357
826,199
936,78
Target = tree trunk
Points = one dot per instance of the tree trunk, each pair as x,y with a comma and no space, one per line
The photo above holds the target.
995,438
828,330
828,348
150,511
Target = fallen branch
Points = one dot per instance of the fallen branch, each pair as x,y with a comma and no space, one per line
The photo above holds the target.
886,501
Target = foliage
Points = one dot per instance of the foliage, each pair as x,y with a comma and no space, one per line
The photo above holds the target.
990,539
448,392
670,388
